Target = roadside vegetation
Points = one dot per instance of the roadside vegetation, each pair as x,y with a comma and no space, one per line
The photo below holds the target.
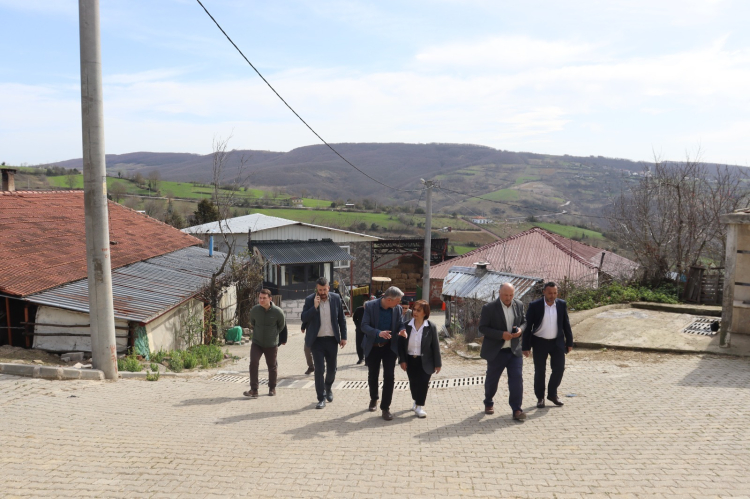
198,356
614,293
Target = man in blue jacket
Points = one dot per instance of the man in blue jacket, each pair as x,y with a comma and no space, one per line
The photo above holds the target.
326,329
548,334
381,323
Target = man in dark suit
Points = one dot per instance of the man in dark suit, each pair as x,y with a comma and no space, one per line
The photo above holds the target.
502,323
548,334
359,336
326,329
381,323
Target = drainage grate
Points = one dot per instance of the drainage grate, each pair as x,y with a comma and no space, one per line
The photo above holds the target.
240,380
701,326
362,385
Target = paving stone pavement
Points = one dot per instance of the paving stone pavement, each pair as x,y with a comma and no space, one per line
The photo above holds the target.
642,425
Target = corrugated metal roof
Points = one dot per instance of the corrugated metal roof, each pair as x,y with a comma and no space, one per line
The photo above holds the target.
43,243
257,222
291,252
537,252
144,290
463,282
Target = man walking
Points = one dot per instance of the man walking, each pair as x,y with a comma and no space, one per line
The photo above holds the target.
269,331
548,334
326,329
381,322
308,354
359,335
502,323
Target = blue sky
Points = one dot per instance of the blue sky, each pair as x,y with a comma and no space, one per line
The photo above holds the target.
582,77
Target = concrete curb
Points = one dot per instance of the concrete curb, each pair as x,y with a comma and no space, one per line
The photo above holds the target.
599,346
699,310
50,372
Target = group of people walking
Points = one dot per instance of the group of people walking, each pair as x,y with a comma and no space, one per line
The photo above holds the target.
385,338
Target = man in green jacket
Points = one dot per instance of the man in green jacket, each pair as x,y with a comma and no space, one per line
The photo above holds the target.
269,331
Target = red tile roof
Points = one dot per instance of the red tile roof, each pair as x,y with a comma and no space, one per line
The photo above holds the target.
43,241
539,253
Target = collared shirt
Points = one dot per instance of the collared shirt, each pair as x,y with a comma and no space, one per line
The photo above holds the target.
415,338
510,316
326,328
548,329
385,319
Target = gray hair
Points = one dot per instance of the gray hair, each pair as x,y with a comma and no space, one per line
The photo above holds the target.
393,292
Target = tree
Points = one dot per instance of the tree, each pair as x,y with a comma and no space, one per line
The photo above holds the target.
670,219
206,212
118,191
138,179
154,208
71,179
154,180
173,218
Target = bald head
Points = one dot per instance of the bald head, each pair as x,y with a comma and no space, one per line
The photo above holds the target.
507,291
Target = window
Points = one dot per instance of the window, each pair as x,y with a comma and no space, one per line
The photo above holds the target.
343,264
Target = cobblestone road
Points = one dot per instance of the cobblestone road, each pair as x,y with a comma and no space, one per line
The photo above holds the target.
640,425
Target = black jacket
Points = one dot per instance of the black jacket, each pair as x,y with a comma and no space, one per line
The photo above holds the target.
492,325
534,317
430,347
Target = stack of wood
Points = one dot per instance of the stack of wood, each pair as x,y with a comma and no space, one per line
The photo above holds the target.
405,276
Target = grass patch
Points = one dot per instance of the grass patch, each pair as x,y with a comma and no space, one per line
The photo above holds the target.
527,178
570,231
502,195
462,250
585,299
152,376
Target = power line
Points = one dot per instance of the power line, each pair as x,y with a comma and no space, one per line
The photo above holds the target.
295,112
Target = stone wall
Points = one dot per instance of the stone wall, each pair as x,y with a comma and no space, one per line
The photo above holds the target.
292,309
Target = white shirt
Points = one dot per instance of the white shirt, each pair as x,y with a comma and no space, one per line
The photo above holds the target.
509,318
415,338
548,329
326,328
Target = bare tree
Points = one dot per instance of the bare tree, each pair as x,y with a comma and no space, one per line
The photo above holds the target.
71,178
154,180
117,191
670,219
154,208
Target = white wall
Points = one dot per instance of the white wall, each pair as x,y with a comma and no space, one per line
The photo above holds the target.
164,331
52,315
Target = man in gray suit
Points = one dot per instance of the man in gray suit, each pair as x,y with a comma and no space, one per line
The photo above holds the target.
326,329
502,323
382,323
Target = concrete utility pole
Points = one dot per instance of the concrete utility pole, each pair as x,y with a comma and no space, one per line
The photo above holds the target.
101,310
429,184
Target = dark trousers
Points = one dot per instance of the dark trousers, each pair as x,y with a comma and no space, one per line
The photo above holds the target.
256,352
309,358
505,360
359,338
541,349
419,381
324,352
385,355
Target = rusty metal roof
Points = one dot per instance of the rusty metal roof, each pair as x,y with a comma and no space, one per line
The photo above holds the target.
43,241
144,290
291,252
540,253
467,282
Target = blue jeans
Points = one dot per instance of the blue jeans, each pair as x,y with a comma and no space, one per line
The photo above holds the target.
505,360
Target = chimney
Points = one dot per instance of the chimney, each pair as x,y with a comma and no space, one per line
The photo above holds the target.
9,182
481,268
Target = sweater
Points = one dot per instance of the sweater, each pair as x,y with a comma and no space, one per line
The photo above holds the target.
267,324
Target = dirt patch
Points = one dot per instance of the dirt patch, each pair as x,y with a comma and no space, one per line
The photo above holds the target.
624,356
20,355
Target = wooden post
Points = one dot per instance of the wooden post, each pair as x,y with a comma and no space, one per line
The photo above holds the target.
131,335
7,316
26,327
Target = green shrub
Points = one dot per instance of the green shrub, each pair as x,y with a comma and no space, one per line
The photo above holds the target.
585,299
189,360
154,368
207,355
129,363
152,376
159,356
176,363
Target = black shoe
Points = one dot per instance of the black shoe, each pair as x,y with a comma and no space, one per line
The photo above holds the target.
373,405
540,403
556,401
329,396
310,370
360,361
387,415
321,404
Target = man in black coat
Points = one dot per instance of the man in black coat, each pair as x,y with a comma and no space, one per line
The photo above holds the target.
548,334
326,330
502,323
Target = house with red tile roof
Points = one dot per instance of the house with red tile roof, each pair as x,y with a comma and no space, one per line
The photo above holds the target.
540,253
157,272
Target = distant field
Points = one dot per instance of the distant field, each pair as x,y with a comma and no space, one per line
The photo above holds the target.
528,178
502,195
462,250
346,219
184,190
569,230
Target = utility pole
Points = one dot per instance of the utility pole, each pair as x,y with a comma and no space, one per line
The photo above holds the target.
101,309
429,184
